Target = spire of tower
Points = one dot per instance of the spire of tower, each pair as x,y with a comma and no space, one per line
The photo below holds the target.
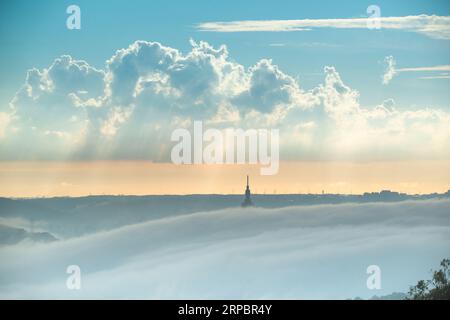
247,200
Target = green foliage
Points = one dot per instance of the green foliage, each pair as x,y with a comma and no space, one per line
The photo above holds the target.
438,288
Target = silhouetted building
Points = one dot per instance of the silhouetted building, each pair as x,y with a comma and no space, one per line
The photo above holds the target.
247,201
384,195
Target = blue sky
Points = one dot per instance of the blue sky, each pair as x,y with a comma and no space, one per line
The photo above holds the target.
34,33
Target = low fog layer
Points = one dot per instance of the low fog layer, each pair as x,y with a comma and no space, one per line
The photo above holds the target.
319,251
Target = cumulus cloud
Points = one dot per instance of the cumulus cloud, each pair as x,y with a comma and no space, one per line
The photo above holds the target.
128,110
317,251
433,26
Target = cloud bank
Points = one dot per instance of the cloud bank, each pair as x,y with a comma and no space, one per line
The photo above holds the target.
127,110
433,26
295,252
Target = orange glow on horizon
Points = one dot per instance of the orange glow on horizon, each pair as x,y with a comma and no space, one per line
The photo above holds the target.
37,179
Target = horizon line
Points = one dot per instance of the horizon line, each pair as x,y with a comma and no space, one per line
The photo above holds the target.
225,194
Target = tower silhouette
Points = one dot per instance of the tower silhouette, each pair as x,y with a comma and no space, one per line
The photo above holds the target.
247,200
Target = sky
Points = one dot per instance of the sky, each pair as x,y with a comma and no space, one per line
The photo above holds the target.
114,90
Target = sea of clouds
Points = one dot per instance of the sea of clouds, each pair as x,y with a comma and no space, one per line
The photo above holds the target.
301,252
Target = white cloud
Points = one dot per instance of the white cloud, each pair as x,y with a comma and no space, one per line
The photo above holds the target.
421,69
319,251
391,70
434,77
430,25
71,110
